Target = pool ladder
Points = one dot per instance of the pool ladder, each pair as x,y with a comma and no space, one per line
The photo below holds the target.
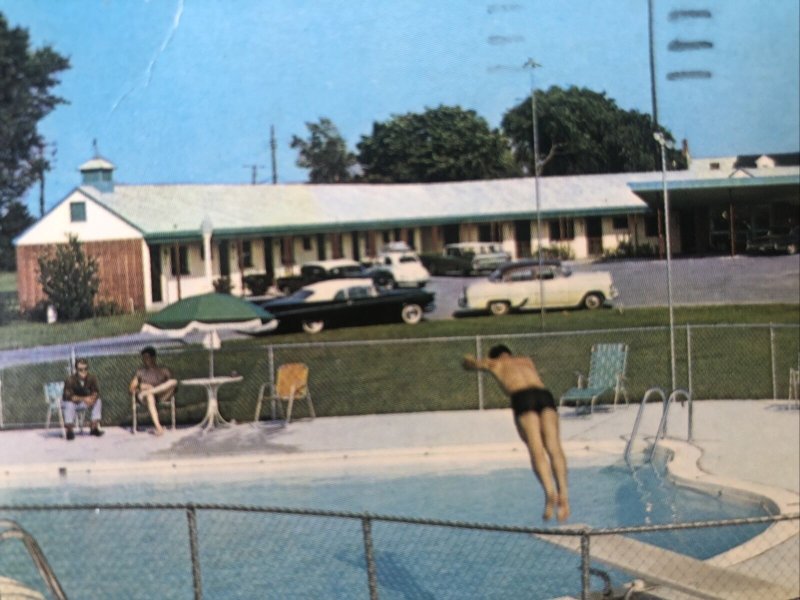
11,530
662,426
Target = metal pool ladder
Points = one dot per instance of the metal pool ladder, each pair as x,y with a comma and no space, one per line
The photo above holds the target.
11,530
662,426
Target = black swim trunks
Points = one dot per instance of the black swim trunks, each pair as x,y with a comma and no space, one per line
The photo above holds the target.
532,399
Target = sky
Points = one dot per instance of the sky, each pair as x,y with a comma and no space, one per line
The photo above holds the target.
185,91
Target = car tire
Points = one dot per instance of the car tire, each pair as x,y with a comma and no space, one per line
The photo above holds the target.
411,314
499,308
593,301
313,326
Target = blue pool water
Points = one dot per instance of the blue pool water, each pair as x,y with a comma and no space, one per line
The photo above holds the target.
145,554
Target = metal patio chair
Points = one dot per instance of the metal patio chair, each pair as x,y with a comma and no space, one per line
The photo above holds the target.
291,384
53,395
606,376
135,402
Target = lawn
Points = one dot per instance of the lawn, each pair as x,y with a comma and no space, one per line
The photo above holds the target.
398,368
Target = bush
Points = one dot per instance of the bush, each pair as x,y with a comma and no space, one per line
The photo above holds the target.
556,251
629,250
223,285
69,279
107,308
257,284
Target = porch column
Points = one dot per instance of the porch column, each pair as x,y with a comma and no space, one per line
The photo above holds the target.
207,228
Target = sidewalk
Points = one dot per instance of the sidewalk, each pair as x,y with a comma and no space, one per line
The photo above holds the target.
754,442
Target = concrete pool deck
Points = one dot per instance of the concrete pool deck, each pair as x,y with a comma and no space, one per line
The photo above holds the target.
751,447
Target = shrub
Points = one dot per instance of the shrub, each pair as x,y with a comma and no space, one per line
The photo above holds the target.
556,251
107,308
257,284
69,279
629,250
223,285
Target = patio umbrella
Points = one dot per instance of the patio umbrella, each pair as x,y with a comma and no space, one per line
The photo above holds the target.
209,313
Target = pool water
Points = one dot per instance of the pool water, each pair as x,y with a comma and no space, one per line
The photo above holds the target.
145,554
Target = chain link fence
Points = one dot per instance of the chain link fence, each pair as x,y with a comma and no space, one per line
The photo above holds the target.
410,375
225,551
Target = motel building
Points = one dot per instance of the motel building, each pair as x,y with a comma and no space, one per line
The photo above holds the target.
156,244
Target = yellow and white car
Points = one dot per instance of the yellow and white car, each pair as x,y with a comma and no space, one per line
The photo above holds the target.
519,285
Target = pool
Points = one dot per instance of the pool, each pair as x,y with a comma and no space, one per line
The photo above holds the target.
143,554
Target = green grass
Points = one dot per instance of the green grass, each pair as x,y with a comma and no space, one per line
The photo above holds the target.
382,376
8,282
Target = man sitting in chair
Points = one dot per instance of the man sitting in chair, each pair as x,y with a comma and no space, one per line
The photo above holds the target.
81,390
152,383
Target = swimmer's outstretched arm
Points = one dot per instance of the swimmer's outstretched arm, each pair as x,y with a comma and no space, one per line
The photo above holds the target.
470,363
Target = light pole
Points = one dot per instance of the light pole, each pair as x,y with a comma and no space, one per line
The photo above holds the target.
531,65
662,141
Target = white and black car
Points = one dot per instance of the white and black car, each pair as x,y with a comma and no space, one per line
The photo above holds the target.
343,302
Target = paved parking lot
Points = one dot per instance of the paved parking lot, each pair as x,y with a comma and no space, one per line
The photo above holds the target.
714,280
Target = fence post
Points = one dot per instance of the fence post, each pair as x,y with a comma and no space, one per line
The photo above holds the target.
372,576
480,373
772,361
271,366
690,424
585,565
193,548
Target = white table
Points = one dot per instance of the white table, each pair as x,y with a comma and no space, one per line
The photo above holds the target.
212,384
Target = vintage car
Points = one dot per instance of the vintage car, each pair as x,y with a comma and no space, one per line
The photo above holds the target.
341,302
466,258
775,241
517,286
399,267
321,270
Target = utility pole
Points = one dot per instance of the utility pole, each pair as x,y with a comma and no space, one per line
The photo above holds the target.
253,172
273,147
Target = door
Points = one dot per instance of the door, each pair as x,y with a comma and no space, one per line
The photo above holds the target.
522,237
594,236
155,273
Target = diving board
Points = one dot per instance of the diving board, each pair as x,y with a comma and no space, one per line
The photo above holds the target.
676,571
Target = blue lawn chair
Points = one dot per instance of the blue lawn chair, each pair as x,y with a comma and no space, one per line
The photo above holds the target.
606,376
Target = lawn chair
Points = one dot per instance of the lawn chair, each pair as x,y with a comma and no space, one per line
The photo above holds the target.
291,384
53,396
168,401
606,375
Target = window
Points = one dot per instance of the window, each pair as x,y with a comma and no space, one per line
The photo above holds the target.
247,254
181,260
562,229
387,237
714,166
77,211
620,222
306,242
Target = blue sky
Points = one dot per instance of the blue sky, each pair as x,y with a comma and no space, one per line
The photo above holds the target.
185,91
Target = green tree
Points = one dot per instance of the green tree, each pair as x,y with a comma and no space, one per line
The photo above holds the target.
324,153
583,132
14,219
26,80
446,143
70,280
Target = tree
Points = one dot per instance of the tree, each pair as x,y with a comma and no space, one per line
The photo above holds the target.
324,153
70,280
14,219
583,132
26,79
446,143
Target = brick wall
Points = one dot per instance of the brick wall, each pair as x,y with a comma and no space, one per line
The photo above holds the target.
120,269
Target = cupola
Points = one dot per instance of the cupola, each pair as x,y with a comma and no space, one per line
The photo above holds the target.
98,173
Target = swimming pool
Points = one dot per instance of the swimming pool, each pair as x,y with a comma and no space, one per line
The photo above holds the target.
247,555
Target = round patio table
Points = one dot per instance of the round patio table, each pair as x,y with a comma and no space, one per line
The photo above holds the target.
213,418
